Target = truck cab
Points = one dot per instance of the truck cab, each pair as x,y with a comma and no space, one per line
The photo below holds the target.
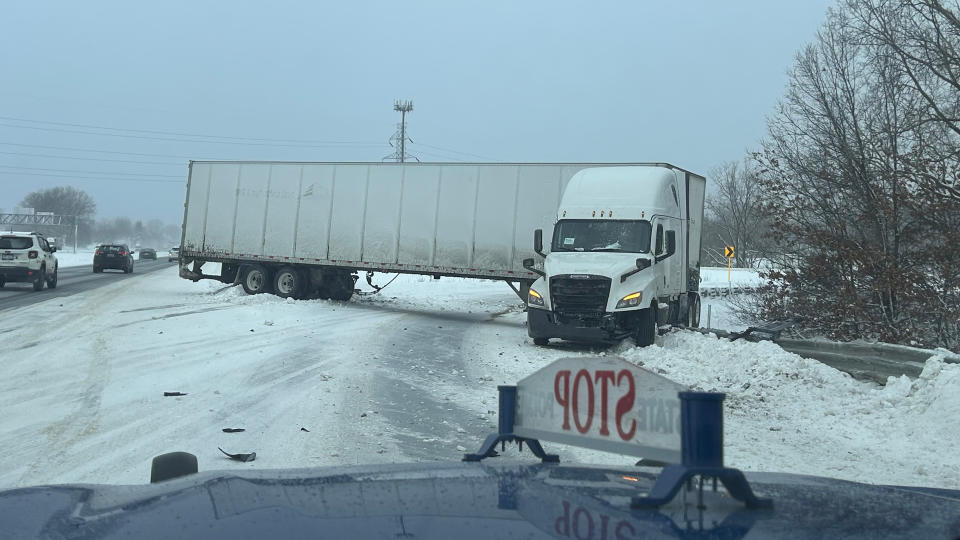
624,256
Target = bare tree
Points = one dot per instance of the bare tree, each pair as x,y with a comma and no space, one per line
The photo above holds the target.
834,179
737,213
923,36
65,201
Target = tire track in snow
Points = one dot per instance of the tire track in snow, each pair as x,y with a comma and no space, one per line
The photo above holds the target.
82,421
421,369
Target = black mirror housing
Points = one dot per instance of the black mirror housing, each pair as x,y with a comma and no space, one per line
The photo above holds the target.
538,242
528,264
643,263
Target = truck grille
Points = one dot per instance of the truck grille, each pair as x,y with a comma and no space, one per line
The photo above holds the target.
583,298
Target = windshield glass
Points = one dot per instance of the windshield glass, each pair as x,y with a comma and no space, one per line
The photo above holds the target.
601,235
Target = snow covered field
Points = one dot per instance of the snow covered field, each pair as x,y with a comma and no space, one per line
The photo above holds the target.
407,375
712,276
83,257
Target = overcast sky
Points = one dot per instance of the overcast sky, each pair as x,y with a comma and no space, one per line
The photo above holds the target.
684,82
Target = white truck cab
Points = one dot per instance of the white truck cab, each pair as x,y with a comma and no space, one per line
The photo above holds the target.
624,257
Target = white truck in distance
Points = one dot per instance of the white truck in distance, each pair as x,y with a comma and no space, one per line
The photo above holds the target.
624,257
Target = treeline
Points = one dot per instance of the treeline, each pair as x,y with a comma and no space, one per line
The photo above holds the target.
70,201
153,233
853,199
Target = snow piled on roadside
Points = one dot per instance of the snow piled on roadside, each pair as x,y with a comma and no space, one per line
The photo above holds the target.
784,413
66,258
787,413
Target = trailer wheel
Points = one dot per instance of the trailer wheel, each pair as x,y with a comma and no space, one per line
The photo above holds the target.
288,283
256,279
693,311
647,329
341,286
541,341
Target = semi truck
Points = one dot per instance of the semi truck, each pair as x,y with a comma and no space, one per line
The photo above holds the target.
624,256
308,230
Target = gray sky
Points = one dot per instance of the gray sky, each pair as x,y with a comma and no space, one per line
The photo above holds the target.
689,83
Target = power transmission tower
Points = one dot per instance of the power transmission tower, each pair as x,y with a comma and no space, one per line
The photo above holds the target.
399,139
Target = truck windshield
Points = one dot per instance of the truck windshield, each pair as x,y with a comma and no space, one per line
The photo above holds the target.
602,235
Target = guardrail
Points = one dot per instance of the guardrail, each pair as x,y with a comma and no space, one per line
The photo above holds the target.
722,291
866,361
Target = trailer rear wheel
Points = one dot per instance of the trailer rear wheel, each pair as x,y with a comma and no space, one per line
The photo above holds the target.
288,283
256,279
647,329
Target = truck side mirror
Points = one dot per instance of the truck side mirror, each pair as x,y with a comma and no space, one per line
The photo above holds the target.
641,264
538,242
528,264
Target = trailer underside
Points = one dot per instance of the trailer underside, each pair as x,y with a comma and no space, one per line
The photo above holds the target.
325,279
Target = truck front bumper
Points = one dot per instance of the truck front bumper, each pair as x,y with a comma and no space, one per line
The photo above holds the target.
547,324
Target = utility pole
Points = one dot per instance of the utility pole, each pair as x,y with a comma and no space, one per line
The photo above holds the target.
399,138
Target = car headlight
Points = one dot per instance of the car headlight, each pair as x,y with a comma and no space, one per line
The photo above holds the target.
534,298
630,300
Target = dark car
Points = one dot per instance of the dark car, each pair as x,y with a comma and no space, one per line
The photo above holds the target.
148,253
113,256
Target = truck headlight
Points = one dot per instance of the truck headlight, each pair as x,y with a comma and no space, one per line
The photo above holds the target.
534,298
630,300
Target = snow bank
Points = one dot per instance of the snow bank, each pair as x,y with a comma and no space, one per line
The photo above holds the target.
784,413
83,257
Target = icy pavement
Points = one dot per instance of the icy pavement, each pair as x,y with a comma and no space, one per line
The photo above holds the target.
407,375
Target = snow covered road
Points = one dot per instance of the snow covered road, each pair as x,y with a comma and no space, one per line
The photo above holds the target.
407,375
72,280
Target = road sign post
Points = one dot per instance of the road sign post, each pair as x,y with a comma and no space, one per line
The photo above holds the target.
728,253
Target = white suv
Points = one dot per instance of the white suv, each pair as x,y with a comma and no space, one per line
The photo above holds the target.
27,257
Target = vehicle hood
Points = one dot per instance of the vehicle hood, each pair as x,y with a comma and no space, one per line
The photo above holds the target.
595,262
468,500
